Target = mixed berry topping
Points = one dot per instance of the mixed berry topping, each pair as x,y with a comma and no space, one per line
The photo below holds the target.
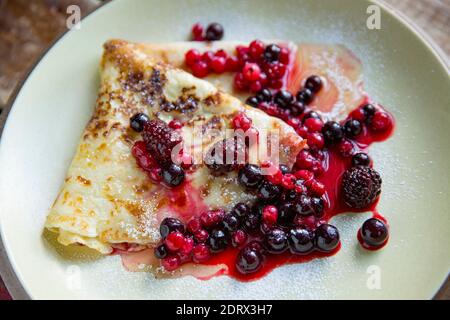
361,186
160,140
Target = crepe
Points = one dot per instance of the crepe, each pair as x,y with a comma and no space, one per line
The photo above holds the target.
106,200
340,69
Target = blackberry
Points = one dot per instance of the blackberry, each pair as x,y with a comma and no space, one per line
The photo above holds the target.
225,156
361,186
160,139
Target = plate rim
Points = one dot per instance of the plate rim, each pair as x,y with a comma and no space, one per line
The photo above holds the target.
7,271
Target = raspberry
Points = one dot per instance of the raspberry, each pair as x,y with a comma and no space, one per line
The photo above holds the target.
160,139
361,186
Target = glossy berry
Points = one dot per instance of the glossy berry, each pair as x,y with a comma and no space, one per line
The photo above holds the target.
200,69
197,32
346,148
361,186
201,253
251,71
240,209
193,225
288,181
173,175
314,83
301,240
249,260
218,240
192,56
380,121
275,241
311,114
317,206
286,213
256,49
264,95
313,124
211,218
332,132
214,32
283,98
315,140
374,232
239,238
352,128
252,101
201,235
303,206
218,64
361,159
226,155
230,222
268,191
305,95
171,263
270,215
369,110
297,108
188,245
174,241
169,225
161,251
160,139
250,176
326,237
138,121
284,169
252,221
272,53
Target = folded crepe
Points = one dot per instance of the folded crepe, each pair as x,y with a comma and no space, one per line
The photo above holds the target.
106,200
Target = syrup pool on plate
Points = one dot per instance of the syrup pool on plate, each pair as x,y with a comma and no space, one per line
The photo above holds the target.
305,86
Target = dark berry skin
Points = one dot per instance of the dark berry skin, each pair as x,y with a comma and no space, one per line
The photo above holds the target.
275,241
160,140
231,222
173,175
369,110
252,101
284,169
249,260
289,196
218,240
214,32
352,128
374,232
252,221
326,238
301,240
264,95
305,95
311,114
361,159
332,132
283,99
169,225
138,121
361,186
314,83
268,191
161,251
297,108
250,176
272,53
303,206
240,210
286,213
318,206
